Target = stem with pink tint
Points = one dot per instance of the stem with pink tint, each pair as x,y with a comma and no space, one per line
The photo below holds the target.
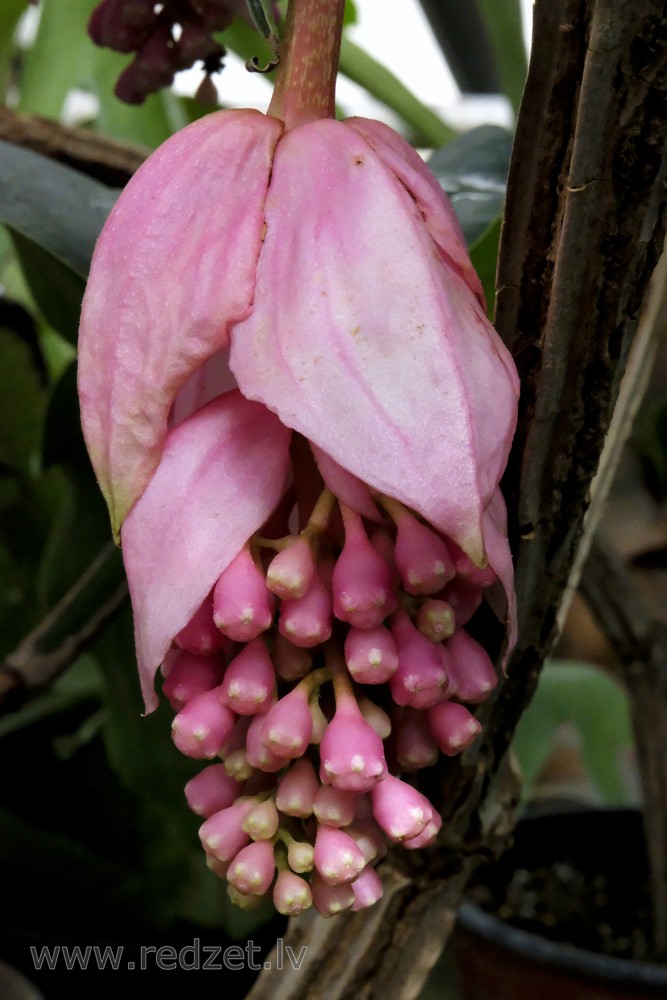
306,80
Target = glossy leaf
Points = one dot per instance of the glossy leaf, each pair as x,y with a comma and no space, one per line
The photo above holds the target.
473,171
56,290
58,208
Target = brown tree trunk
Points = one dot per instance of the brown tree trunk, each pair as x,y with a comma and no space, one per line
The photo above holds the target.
583,229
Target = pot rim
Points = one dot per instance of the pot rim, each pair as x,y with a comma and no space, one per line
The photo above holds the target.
568,957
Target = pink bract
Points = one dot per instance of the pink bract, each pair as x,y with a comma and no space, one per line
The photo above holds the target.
391,380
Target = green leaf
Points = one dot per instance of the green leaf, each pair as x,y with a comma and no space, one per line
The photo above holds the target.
57,291
261,12
58,208
505,31
592,701
350,16
22,405
473,171
356,64
484,257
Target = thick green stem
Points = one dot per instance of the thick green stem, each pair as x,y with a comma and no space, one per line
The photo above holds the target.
306,82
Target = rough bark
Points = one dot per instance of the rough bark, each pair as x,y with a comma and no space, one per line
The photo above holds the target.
583,229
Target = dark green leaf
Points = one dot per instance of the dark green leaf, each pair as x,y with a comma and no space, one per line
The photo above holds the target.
473,171
261,12
59,209
55,288
22,404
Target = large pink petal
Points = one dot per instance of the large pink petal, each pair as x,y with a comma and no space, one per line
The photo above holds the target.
364,340
500,560
221,474
173,268
436,210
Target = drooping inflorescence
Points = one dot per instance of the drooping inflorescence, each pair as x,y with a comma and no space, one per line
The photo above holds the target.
325,664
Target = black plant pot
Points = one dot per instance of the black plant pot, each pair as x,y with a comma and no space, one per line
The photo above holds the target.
572,882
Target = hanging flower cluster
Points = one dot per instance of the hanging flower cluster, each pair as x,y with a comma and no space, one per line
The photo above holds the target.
299,415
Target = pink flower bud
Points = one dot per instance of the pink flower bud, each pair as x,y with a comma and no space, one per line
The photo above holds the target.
252,869
249,682
291,894
367,889
211,790
243,900
190,675
412,741
300,856
362,584
369,839
242,605
291,662
289,724
351,753
337,856
219,868
453,727
400,809
376,716
329,900
200,636
332,807
200,729
237,765
464,599
428,835
421,679
466,569
222,834
291,571
262,822
422,557
257,753
385,547
436,620
306,621
370,654
297,789
470,669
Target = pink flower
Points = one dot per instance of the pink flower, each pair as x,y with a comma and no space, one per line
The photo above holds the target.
284,345
251,283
